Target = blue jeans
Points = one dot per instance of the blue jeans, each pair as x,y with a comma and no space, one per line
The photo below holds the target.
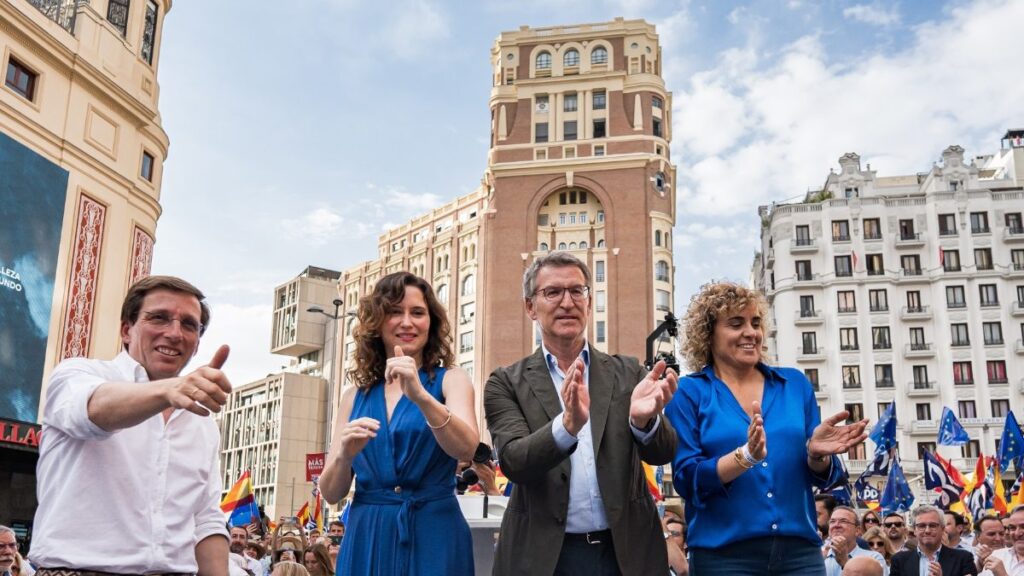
768,556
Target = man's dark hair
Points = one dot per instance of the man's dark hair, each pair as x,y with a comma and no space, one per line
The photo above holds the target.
982,520
137,293
829,500
958,519
335,523
896,514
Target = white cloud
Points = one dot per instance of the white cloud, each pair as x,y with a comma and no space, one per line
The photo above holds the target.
417,26
410,202
317,227
750,131
873,14
246,329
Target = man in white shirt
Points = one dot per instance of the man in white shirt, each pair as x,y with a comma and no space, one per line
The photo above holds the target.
841,545
1009,561
129,444
989,536
239,538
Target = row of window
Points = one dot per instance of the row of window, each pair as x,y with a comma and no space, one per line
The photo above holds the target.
571,58
878,300
570,102
963,375
947,227
910,264
570,128
117,15
992,335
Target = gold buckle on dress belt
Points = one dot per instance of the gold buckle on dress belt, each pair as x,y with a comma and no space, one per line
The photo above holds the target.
595,540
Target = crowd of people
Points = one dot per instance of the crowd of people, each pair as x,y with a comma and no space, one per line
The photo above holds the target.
927,541
571,426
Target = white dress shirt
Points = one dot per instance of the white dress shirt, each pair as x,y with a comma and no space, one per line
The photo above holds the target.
132,501
586,506
1014,565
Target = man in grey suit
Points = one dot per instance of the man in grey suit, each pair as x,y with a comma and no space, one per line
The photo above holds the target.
571,425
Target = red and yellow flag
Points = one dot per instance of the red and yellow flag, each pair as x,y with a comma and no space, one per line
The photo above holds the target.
653,483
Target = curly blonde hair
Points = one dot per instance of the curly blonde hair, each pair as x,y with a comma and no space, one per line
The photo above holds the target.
371,357
714,300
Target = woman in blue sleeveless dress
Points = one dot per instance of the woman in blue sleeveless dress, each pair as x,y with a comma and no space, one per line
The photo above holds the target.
399,433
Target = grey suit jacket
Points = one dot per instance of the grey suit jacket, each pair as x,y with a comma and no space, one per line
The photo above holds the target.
520,402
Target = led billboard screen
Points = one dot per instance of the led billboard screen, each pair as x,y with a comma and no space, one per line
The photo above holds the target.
32,194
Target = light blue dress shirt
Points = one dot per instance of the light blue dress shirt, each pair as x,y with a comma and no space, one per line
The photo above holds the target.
771,499
586,507
832,568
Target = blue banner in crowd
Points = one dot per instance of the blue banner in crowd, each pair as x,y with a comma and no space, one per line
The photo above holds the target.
884,432
951,432
897,495
1011,446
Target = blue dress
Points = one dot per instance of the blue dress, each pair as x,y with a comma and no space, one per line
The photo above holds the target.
404,519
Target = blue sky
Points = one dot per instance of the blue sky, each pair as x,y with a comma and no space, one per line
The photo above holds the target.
301,132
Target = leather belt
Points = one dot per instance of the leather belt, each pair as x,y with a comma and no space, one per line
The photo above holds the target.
598,537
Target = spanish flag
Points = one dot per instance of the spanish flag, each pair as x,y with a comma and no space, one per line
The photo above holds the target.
303,514
653,483
240,503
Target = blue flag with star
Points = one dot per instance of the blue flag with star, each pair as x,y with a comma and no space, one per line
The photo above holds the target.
951,432
897,495
884,432
1011,446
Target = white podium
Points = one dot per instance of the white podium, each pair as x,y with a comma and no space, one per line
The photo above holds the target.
484,524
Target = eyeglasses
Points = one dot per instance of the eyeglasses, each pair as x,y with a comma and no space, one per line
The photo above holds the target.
163,320
834,521
893,524
871,521
876,544
555,293
927,526
1012,527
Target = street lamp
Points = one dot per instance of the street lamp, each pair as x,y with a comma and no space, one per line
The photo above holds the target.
338,302
330,377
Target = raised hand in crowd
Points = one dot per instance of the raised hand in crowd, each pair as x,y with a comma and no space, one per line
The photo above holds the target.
403,368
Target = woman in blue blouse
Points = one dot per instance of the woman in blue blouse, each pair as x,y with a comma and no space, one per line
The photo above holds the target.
751,445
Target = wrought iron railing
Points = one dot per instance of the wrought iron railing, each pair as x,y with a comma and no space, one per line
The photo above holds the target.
60,11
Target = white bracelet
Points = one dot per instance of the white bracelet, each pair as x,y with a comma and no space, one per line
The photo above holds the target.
749,457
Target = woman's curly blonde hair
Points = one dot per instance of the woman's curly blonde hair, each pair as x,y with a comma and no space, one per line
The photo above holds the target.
714,300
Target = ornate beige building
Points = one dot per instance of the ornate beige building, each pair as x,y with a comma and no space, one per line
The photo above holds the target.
81,155
579,161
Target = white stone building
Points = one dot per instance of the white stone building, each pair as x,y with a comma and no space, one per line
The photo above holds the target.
906,288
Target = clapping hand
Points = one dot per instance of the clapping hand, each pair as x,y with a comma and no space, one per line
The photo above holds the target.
651,394
576,399
830,438
757,441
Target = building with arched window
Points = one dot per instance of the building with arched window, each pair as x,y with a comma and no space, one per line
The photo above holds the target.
579,161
